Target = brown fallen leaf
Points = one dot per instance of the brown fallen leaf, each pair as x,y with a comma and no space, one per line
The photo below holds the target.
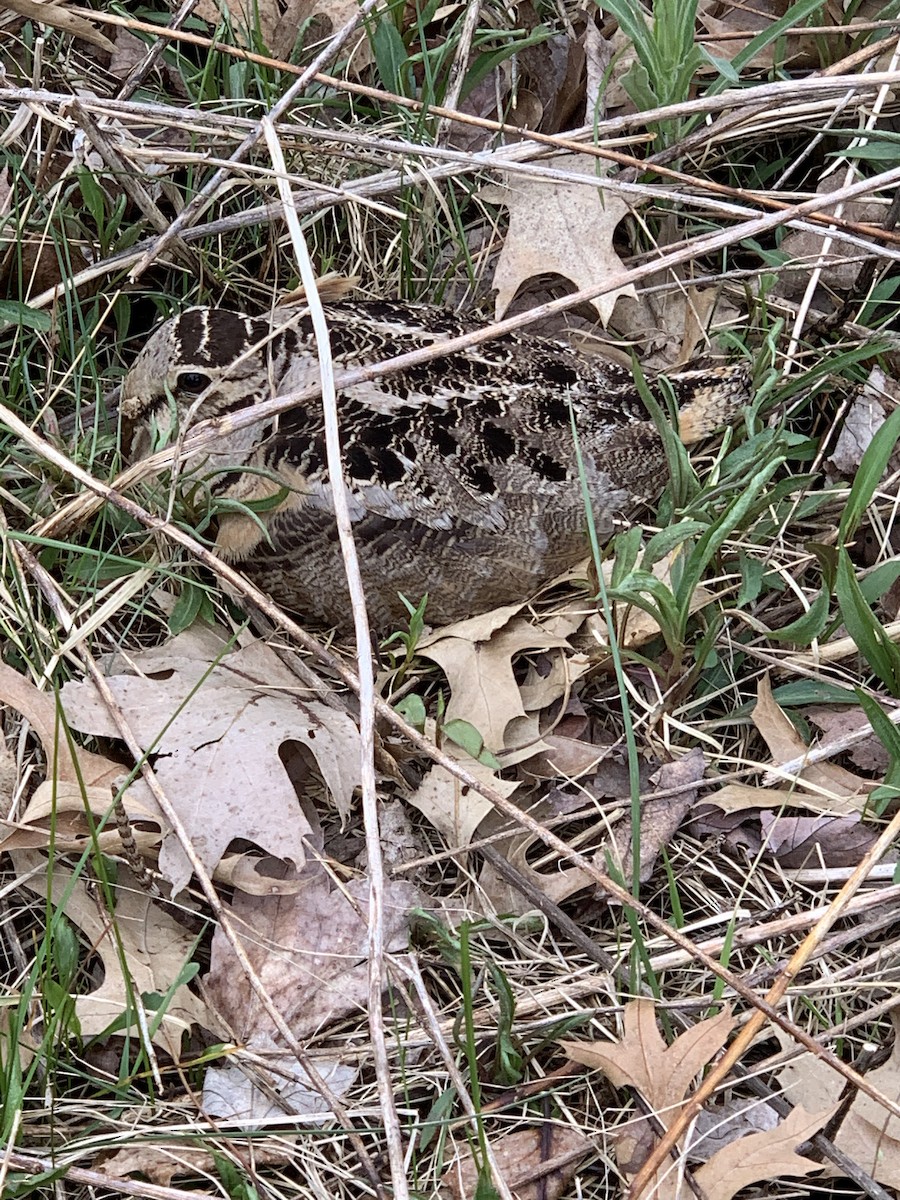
720,18
663,1075
40,711
9,777
758,1156
825,841
641,1059
454,809
140,934
822,787
558,228
279,24
864,418
565,757
736,829
309,949
841,262
477,657
6,192
557,883
267,1082
162,1162
867,1134
536,1164
670,323
214,733
57,813
660,819
835,722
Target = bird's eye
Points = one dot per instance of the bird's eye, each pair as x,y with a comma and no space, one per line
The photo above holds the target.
193,382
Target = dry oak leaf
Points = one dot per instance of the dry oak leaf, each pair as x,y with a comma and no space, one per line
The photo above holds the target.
822,787
559,228
864,418
272,1083
822,841
41,712
213,733
557,883
556,880
477,657
663,1074
868,1133
660,818
835,722
139,933
310,951
536,1164
454,809
642,1060
162,1162
68,816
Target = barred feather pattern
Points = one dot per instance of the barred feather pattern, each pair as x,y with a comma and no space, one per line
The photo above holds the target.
463,474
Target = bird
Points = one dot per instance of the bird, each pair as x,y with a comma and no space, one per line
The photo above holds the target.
463,476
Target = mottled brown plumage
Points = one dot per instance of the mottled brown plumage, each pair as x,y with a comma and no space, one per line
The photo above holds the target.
463,473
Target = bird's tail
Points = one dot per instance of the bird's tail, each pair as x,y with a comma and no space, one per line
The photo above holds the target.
710,399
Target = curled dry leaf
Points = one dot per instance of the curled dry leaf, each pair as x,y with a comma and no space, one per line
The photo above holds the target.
660,819
673,325
58,812
559,228
556,880
213,730
57,16
40,711
663,1075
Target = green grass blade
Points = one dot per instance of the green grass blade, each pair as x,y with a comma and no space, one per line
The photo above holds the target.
864,628
868,476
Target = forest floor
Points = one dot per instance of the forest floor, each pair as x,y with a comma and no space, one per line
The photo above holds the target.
607,902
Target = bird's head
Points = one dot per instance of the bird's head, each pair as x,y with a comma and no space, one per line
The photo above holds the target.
202,363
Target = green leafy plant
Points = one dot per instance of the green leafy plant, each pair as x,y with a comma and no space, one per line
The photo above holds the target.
875,645
667,56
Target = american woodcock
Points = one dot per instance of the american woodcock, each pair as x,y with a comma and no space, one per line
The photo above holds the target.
463,474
